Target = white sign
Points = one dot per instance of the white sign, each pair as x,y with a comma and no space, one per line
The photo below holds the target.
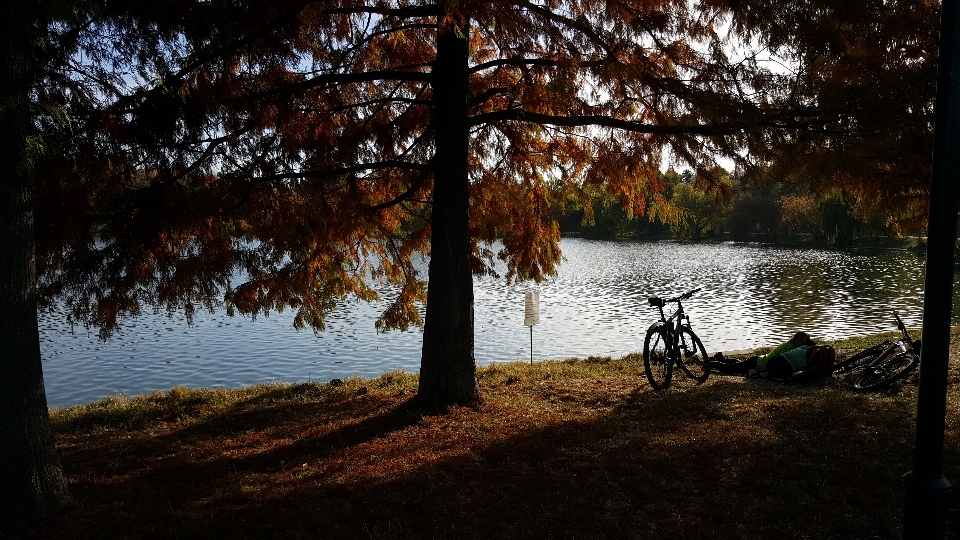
531,309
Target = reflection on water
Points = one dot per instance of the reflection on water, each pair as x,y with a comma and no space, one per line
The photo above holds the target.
752,296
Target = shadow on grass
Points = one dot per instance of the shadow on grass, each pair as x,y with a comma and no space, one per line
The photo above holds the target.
726,460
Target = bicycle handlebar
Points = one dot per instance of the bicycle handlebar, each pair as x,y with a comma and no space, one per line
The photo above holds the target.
901,326
899,322
688,294
660,302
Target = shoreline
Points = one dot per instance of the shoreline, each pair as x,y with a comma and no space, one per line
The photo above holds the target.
843,347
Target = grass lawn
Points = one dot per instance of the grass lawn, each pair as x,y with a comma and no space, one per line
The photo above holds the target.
578,449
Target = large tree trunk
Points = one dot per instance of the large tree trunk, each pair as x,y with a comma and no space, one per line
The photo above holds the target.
448,369
31,482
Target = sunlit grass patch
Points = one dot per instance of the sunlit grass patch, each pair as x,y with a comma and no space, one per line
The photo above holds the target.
571,368
182,403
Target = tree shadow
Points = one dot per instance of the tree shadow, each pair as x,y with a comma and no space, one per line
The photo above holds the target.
692,463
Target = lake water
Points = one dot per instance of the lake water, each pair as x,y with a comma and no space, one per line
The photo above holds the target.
752,296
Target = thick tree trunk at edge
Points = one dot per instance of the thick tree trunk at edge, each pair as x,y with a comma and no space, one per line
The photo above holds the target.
31,482
448,368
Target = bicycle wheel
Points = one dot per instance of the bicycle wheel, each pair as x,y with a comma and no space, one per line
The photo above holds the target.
693,357
887,371
861,359
657,363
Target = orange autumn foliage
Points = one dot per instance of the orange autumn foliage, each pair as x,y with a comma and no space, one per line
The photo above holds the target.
285,155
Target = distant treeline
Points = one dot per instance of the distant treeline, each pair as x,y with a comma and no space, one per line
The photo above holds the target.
737,210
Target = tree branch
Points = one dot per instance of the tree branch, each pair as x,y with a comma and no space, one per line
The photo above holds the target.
428,10
723,128
482,98
523,62
388,164
414,187
369,103
367,76
792,119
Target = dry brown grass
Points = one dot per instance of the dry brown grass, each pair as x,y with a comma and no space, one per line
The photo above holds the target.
570,449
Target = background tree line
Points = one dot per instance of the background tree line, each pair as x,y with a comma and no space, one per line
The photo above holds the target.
771,212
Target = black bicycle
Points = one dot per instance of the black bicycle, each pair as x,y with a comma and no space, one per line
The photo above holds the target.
884,362
671,341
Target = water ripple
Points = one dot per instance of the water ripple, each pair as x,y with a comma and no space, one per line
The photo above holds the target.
596,305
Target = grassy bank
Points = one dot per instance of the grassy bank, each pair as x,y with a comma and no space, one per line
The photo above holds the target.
566,449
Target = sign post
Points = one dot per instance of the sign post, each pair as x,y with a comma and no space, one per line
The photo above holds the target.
531,315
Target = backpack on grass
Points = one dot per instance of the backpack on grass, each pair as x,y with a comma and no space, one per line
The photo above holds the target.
818,362
821,357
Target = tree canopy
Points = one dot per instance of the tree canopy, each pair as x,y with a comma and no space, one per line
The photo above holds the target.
290,154
866,74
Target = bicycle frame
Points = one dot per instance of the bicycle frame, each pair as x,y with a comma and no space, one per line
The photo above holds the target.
902,345
880,353
896,361
671,341
897,347
673,346
681,318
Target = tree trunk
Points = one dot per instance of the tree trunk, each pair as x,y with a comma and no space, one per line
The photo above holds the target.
31,482
448,368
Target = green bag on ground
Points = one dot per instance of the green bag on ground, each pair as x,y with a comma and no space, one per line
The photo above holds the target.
784,365
780,349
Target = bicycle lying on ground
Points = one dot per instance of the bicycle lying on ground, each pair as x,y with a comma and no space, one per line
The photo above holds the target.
884,362
672,341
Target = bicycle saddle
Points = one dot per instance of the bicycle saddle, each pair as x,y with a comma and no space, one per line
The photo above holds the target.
656,302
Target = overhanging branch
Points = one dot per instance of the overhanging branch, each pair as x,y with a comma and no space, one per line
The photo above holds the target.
380,165
366,76
783,120
723,128
526,62
428,10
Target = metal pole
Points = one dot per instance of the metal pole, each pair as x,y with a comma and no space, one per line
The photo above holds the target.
927,493
531,344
